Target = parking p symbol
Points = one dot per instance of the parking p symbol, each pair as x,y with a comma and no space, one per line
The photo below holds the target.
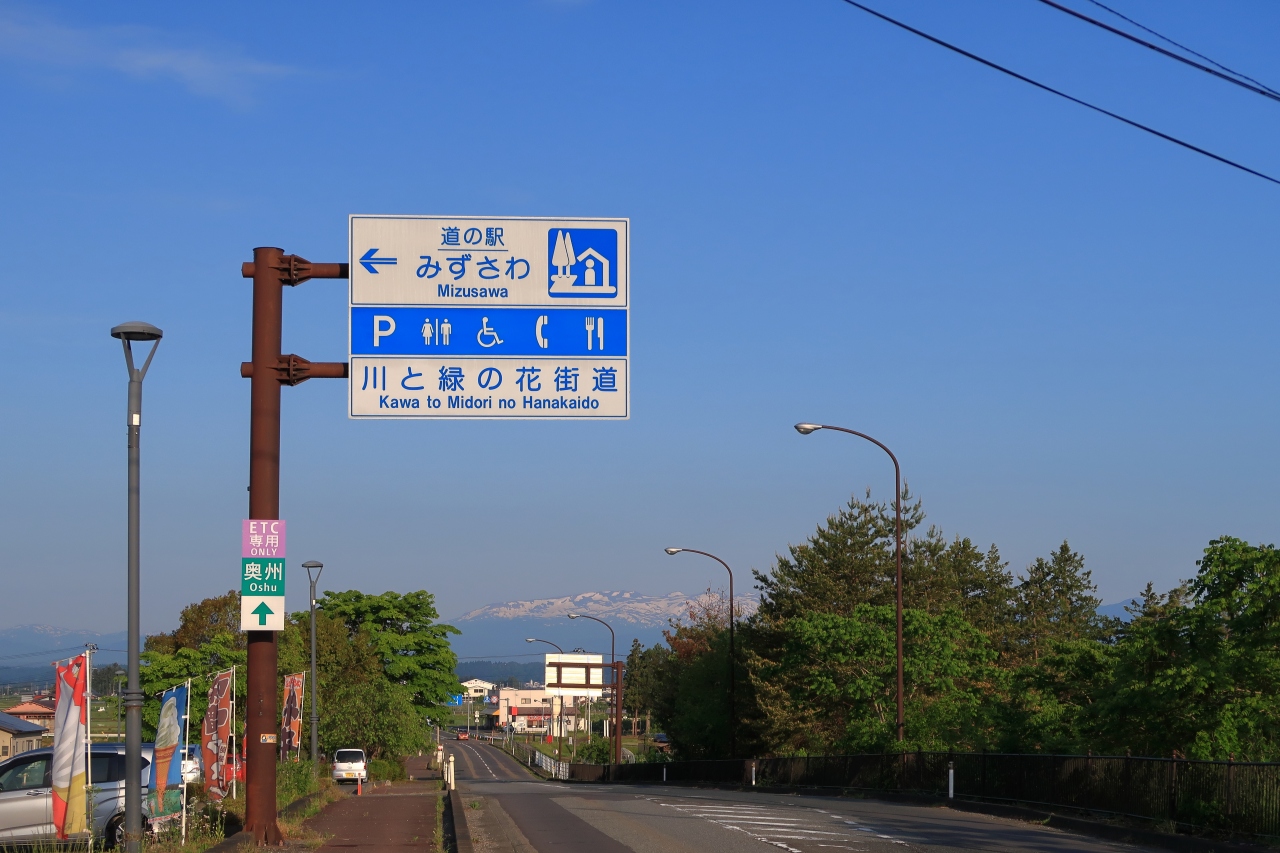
382,326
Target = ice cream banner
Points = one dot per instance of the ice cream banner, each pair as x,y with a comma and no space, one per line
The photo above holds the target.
69,731
291,719
215,736
165,796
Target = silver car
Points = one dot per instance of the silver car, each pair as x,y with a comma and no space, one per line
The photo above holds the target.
26,795
349,766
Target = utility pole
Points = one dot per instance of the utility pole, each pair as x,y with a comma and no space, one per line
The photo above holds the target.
271,270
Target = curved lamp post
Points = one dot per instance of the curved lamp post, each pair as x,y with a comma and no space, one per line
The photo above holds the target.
806,429
733,725
127,333
617,686
315,711
560,748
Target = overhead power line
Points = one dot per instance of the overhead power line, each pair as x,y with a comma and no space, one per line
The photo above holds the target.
41,653
1014,74
1259,89
1182,47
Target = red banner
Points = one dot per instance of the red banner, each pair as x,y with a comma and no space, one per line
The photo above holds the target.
70,736
291,719
215,736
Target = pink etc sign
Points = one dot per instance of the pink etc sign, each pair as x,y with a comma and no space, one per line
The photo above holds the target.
262,538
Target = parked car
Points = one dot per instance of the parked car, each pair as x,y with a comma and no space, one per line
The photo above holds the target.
193,765
26,794
349,766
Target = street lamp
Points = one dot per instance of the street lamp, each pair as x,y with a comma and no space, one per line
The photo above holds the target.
315,712
617,686
733,725
805,429
127,333
560,748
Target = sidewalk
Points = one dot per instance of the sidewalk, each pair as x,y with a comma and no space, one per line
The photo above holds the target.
386,818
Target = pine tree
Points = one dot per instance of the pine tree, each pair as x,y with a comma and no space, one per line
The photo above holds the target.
1057,602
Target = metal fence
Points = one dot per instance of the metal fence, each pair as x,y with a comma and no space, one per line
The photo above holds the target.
1235,797
531,757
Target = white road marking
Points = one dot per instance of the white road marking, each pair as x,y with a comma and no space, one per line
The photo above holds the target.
791,828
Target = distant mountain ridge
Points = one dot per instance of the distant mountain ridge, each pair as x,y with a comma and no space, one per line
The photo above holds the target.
631,607
27,651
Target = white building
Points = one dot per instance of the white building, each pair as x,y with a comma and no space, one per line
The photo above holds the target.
477,688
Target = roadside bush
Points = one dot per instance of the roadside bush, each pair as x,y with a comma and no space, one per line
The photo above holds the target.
386,770
597,751
294,780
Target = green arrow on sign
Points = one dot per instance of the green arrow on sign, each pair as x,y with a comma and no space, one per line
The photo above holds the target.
262,611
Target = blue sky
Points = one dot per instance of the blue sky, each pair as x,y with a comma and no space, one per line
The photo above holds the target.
1064,327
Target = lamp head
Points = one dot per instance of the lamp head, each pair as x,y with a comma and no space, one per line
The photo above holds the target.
805,429
136,330
530,639
573,615
673,551
313,564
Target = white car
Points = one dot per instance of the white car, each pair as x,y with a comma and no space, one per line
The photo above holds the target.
193,766
349,766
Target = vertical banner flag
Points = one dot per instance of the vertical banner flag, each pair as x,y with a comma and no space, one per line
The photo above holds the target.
215,737
165,797
69,732
291,719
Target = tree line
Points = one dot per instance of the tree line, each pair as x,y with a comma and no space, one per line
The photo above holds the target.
993,660
384,665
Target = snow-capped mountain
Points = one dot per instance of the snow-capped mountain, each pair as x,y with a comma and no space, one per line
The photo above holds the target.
500,631
632,607
26,650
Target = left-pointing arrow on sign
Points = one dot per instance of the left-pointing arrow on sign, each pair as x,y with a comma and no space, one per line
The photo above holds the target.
368,261
262,611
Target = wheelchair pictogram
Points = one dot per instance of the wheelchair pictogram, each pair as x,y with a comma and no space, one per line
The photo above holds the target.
486,332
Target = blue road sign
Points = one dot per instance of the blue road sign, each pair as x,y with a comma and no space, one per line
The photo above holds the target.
477,317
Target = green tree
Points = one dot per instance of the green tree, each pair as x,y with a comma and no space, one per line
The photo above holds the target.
848,561
838,674
1053,705
1057,602
1198,669
642,678
376,716
413,646
200,623
160,671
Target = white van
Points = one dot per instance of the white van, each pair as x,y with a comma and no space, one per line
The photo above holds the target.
349,766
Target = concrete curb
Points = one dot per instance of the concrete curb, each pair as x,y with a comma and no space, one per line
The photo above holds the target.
458,818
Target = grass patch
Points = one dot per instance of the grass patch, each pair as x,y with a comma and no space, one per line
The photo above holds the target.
439,831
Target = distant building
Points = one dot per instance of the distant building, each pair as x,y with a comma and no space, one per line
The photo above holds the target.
478,688
533,709
17,735
38,711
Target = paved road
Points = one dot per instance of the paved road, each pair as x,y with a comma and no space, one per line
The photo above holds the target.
509,810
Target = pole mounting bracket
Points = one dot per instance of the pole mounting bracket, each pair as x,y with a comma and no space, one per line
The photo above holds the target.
294,270
294,369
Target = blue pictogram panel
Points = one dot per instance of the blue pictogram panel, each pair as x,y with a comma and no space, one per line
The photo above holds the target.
447,330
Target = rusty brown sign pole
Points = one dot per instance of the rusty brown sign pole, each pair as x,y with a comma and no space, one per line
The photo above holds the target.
271,270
